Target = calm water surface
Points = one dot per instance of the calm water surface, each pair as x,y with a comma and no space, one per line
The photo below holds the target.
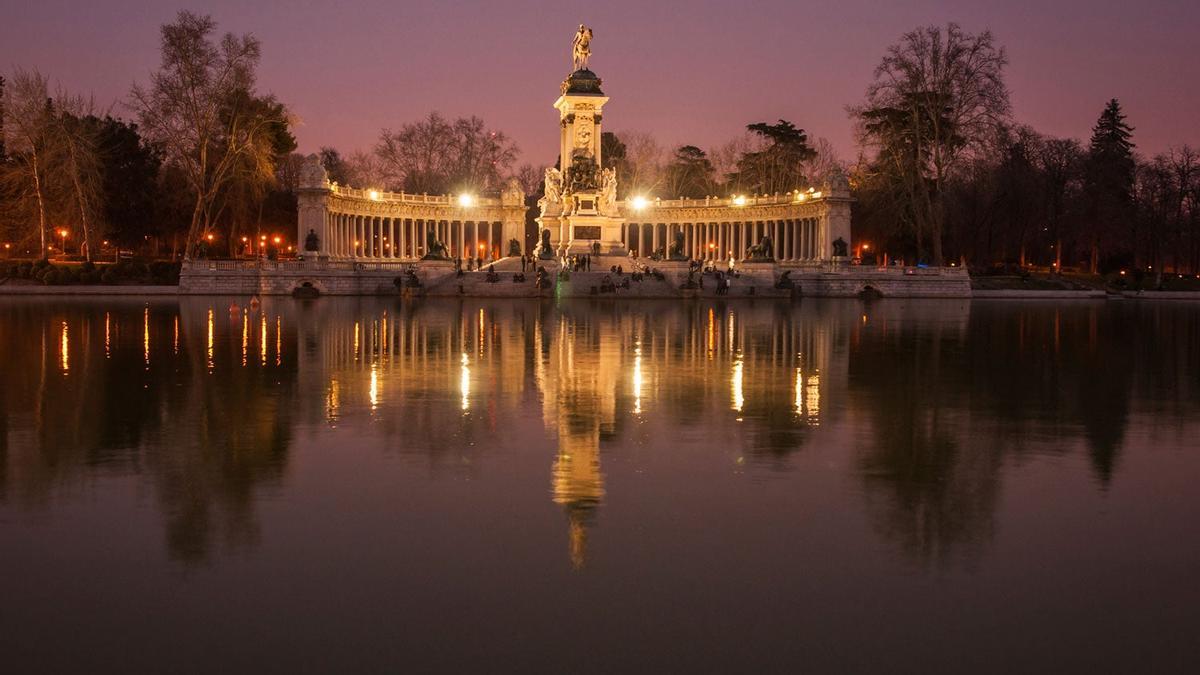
365,485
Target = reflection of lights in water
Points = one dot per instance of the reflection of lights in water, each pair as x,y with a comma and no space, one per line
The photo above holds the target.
637,379
812,397
481,331
65,349
209,351
736,382
464,382
730,338
262,339
374,393
146,336
712,333
278,340
245,338
799,392
356,340
333,401
176,343
107,337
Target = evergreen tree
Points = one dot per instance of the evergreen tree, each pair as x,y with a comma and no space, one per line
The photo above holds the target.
1109,181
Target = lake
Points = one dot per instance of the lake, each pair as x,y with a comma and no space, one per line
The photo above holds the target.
198,485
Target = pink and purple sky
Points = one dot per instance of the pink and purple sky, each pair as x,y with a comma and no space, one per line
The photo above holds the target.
688,72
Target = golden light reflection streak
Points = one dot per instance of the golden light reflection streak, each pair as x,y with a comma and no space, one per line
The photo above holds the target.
146,336
262,340
356,341
736,381
637,379
712,333
210,339
65,349
334,403
176,335
374,391
464,382
245,338
481,331
107,336
799,392
812,397
278,340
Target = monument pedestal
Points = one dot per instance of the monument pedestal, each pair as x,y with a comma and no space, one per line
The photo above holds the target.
585,231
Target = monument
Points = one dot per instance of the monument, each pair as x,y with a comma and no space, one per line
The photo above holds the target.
580,206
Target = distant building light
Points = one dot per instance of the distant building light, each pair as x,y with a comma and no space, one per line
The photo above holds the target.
466,201
639,203
739,200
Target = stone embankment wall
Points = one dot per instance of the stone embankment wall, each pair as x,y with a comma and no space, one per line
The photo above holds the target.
438,279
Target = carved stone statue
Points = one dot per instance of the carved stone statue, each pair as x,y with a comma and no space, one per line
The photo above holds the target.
312,242
581,48
763,251
545,251
434,249
608,192
583,175
554,185
676,251
312,174
512,195
839,248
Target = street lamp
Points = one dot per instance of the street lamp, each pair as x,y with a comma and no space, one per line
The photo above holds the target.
63,233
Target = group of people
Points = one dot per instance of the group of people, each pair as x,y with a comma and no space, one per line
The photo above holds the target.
472,263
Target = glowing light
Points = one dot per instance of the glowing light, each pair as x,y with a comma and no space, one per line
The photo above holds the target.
278,340
374,391
209,236
245,338
464,382
866,247
262,340
374,195
801,197
466,200
812,397
739,200
62,233
816,195
209,350
736,383
637,379
278,239
65,349
639,203
799,403
146,337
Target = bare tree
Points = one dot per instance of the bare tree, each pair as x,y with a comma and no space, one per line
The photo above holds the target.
531,178
76,158
197,106
938,95
644,163
28,125
436,155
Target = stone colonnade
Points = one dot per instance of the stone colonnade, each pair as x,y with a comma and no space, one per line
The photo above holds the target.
793,239
367,225
351,235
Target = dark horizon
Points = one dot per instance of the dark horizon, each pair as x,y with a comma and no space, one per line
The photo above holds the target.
693,73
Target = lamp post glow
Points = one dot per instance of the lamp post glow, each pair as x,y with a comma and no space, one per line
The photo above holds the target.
63,234
466,201
639,203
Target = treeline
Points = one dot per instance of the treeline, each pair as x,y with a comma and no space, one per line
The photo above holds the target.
946,174
943,172
208,164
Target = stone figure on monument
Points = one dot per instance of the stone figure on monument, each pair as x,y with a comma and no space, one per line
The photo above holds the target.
312,174
763,250
608,192
677,248
839,248
312,242
545,251
434,249
581,48
554,184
